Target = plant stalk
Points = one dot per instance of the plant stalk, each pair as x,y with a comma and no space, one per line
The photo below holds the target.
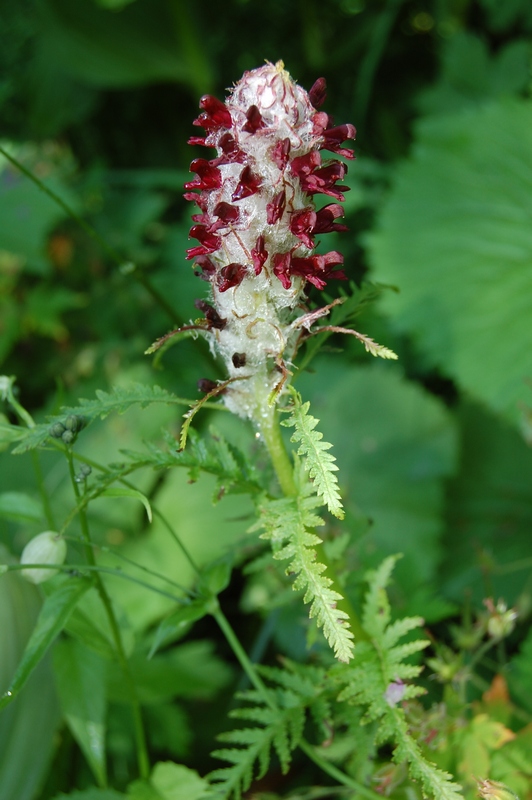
142,750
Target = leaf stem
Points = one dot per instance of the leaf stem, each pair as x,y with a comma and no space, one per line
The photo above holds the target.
241,655
336,773
142,750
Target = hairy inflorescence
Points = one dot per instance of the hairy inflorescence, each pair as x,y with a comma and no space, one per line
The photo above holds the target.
257,224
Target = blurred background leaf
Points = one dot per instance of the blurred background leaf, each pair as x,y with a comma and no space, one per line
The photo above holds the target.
455,236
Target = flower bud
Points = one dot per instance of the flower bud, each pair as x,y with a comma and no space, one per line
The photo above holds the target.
56,430
501,619
46,548
495,790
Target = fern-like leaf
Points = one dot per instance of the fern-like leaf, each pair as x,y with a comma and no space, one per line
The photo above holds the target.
377,682
119,400
318,463
211,454
278,725
288,525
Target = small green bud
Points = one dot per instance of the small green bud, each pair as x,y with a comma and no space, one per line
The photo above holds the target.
75,422
494,790
46,548
56,430
501,620
83,473
68,437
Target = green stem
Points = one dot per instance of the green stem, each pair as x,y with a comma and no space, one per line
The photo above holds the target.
142,750
336,773
27,419
241,655
83,568
42,490
271,433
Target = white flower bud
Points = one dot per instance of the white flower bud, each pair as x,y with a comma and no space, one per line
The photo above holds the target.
46,548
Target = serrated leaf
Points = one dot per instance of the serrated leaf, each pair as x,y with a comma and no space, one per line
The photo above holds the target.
277,726
119,400
287,521
455,236
379,666
319,463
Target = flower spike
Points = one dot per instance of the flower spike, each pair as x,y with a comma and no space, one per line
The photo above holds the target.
258,222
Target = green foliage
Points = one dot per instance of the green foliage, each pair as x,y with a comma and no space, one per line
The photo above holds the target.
97,99
52,618
396,445
29,725
119,400
169,781
289,523
80,679
489,504
277,718
377,681
318,462
469,181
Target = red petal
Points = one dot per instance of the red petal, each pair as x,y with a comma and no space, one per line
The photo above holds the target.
333,138
318,92
211,315
259,254
281,267
209,176
248,184
274,210
280,153
254,120
302,224
226,212
215,114
231,275
325,219
304,165
207,267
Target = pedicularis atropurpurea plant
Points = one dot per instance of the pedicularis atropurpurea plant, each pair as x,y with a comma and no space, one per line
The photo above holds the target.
256,225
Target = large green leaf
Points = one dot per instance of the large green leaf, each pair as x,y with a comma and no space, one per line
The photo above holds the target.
139,45
28,726
170,781
52,619
80,675
21,507
487,541
394,444
455,237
